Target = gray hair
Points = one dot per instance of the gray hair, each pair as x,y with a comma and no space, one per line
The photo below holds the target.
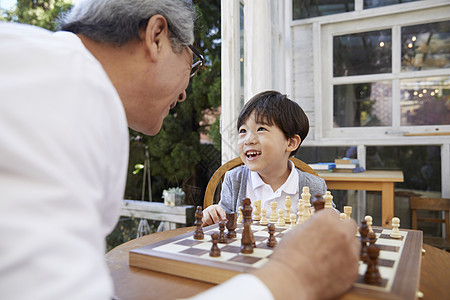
119,21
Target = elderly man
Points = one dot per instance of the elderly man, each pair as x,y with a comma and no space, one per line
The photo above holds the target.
66,101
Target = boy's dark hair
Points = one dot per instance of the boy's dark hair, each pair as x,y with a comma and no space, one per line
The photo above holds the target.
272,108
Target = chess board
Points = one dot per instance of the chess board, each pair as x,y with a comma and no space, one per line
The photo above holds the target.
399,260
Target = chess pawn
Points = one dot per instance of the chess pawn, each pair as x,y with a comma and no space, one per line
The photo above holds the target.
328,199
273,216
215,251
293,221
369,222
342,216
395,232
288,204
271,241
198,232
280,222
348,211
222,236
240,216
257,211
264,220
301,212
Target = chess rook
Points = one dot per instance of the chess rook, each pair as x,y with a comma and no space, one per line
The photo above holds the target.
231,225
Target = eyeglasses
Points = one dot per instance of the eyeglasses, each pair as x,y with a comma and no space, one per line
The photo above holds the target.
200,61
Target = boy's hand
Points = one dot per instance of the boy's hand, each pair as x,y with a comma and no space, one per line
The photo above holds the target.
213,214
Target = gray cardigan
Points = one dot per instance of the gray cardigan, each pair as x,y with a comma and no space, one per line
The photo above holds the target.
234,187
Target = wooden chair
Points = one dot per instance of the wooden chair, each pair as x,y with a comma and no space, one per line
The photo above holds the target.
220,173
432,204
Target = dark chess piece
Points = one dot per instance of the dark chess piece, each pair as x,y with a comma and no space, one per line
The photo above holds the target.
247,235
318,202
198,232
222,236
215,251
372,275
271,242
231,225
363,232
372,238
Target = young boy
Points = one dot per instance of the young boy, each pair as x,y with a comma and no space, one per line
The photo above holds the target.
271,128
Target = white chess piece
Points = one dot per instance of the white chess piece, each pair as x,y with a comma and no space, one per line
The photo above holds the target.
293,221
287,205
342,216
273,215
257,211
280,222
328,200
395,232
348,211
369,222
240,215
307,211
300,212
264,220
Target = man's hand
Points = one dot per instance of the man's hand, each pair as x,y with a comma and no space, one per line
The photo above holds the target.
213,214
317,260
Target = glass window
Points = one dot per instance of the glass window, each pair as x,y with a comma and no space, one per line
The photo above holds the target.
425,101
426,46
378,3
302,9
362,53
421,165
363,104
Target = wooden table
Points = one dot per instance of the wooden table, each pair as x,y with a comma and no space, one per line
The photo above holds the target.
135,283
368,181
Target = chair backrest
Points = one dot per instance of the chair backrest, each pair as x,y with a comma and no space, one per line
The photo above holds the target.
220,173
433,204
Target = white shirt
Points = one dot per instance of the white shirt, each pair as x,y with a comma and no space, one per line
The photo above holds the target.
63,162
257,189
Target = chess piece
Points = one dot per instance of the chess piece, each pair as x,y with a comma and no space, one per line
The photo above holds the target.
372,238
222,236
231,225
247,240
239,220
318,202
300,212
280,222
287,205
363,232
395,232
328,199
257,211
307,211
305,194
271,242
348,211
369,222
198,232
264,220
372,275
293,221
215,251
273,215
342,216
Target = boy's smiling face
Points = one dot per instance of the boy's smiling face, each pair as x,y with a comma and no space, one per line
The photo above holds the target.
264,148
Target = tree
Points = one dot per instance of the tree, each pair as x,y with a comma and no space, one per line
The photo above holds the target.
42,13
177,158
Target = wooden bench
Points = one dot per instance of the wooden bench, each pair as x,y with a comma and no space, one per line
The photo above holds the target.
171,217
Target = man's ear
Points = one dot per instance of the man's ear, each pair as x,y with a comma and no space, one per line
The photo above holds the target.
155,35
293,143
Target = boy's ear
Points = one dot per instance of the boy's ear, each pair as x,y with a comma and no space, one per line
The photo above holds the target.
294,142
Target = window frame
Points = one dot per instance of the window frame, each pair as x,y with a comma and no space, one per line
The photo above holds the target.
378,22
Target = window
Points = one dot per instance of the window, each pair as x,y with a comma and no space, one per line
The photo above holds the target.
308,9
394,80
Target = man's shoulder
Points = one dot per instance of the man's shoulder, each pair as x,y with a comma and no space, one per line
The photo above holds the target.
236,173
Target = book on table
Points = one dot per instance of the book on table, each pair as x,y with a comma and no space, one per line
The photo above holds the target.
326,166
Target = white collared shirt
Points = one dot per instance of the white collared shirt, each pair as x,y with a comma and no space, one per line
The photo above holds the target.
258,190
